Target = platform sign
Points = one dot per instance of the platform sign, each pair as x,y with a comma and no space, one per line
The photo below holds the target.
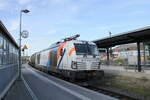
25,47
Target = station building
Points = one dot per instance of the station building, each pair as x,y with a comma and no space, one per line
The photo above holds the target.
8,60
123,55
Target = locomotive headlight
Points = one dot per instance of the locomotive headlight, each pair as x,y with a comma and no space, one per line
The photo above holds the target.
74,65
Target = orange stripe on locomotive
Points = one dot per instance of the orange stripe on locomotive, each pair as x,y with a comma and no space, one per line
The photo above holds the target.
59,50
71,51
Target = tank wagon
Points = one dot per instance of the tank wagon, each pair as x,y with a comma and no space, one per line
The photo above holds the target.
71,58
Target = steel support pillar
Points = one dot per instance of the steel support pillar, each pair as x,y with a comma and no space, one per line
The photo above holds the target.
107,56
139,57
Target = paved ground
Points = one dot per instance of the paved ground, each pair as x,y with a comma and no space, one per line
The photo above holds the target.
40,86
18,92
120,70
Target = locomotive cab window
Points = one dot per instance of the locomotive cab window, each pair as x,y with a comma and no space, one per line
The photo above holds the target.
81,48
93,50
87,49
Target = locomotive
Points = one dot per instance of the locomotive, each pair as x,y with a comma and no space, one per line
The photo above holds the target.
72,58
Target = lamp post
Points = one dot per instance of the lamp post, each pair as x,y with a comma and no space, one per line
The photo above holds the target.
20,33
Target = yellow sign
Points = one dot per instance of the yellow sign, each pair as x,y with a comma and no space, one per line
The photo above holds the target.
25,47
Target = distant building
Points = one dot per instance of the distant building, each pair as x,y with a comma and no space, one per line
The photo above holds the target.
128,52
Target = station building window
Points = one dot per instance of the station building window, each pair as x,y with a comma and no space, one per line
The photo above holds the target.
14,54
5,51
8,52
1,49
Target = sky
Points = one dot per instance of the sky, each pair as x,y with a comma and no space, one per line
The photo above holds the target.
52,20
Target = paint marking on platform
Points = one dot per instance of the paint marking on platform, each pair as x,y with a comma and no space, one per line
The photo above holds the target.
29,89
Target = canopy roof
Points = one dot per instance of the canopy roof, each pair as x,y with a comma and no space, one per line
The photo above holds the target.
138,35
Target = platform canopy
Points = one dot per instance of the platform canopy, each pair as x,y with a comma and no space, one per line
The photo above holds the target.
138,35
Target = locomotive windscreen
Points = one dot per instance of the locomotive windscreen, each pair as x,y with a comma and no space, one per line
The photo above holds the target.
93,50
86,48
81,49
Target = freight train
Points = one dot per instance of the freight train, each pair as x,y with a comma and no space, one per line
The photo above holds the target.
70,58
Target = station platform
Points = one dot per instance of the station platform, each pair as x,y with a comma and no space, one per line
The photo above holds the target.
121,70
18,92
36,85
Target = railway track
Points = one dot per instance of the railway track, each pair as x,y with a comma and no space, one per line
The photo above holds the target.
106,91
111,93
103,90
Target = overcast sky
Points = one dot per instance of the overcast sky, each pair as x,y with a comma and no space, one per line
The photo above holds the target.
52,20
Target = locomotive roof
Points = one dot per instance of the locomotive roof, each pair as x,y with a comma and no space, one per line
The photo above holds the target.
73,41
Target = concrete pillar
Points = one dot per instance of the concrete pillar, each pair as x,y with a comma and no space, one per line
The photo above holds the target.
139,57
107,55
